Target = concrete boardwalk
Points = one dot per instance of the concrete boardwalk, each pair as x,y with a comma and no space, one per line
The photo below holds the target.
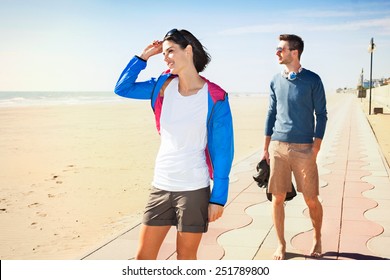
355,194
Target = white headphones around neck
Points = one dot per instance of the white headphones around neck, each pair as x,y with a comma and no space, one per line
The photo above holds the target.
291,76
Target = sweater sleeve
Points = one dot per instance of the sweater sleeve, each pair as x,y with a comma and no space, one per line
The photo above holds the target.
271,115
127,85
320,109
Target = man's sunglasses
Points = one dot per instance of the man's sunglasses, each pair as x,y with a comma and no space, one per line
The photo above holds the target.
279,49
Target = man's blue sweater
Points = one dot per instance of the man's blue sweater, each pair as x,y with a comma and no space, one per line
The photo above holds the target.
292,105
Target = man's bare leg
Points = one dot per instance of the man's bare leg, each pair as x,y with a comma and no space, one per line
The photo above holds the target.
278,219
316,214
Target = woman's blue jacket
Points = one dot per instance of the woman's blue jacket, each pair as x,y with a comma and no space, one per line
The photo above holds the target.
220,143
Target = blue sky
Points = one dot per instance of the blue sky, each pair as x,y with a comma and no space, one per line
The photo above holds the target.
83,45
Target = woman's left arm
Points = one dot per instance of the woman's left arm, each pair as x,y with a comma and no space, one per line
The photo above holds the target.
221,148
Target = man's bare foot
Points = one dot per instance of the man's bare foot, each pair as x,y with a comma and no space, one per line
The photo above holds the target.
316,250
280,253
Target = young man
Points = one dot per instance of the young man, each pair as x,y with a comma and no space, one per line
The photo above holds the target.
293,137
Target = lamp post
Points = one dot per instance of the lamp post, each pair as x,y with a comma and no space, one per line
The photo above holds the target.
371,49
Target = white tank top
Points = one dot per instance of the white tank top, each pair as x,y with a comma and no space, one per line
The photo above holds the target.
181,161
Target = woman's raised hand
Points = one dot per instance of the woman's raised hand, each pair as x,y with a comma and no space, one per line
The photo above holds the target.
152,49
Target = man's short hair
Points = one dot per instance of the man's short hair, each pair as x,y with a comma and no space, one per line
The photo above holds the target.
294,42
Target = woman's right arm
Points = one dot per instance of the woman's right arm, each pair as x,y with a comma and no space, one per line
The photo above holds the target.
127,85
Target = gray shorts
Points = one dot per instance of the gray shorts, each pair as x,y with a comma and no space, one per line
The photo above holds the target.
298,159
187,210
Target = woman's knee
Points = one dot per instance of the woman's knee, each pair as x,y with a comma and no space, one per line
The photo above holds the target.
183,255
187,245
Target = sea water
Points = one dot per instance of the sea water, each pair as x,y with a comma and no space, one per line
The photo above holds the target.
47,98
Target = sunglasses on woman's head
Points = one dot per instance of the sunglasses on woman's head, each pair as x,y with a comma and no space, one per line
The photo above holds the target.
175,33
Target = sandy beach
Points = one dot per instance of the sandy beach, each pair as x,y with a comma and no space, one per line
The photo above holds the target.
380,125
74,176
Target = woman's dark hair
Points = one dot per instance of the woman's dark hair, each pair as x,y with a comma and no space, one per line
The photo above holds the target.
184,38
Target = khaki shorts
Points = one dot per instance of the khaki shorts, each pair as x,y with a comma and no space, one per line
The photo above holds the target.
298,159
187,210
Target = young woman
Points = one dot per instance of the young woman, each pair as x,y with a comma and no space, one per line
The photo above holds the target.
194,120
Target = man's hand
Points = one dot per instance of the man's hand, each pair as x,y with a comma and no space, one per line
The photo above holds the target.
316,146
267,141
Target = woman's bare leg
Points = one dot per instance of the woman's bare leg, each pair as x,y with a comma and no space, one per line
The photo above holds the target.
187,244
150,240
